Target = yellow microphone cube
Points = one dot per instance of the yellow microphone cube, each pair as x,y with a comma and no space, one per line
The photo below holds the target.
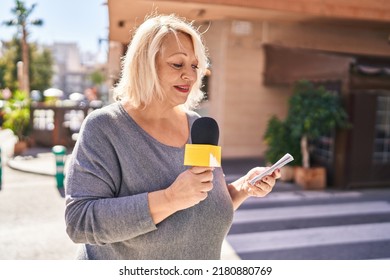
202,155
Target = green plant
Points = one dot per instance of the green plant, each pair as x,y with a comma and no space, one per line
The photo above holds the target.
97,77
313,112
279,142
17,114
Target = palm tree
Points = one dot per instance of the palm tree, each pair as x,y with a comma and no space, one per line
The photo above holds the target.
22,22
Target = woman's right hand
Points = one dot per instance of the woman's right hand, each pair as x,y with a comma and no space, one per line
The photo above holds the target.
190,187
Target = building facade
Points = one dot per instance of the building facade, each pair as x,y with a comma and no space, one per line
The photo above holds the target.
258,49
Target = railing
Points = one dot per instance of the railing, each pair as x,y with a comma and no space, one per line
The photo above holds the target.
57,125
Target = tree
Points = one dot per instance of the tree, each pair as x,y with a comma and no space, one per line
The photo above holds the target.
313,112
41,66
280,141
8,61
97,77
22,22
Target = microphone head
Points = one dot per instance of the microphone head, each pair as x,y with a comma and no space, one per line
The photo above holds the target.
205,131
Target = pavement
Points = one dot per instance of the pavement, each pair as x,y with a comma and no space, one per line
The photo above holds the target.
32,223
36,160
32,207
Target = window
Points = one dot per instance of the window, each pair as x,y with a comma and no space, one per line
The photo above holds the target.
324,148
382,131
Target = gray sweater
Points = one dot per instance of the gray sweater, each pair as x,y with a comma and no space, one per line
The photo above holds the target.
114,165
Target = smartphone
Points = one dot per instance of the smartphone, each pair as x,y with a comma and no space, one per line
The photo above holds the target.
280,163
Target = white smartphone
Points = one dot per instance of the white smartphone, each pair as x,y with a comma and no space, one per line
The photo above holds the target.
280,163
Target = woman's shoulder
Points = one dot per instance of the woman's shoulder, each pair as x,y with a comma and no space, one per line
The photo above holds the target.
104,114
104,118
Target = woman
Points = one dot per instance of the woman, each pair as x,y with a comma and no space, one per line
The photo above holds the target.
128,194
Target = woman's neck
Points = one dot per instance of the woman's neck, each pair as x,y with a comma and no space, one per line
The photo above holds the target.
169,125
155,111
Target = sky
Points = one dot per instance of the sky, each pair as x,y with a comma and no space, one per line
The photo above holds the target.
79,21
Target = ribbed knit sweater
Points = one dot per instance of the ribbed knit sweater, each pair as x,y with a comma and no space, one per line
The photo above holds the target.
114,164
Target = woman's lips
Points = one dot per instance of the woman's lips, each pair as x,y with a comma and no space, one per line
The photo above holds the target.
183,88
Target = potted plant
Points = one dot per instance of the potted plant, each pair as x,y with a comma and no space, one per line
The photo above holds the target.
279,142
313,112
17,118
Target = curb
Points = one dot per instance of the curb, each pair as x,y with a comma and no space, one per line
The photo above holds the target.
40,165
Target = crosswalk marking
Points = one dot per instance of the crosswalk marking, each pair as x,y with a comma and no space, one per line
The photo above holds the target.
298,238
299,224
302,196
311,211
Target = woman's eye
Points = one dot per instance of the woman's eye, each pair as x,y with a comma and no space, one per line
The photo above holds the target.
177,65
180,65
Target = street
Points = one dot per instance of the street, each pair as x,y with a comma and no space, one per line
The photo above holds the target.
291,224
32,223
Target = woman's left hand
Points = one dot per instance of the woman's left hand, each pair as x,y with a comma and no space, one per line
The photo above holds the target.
261,187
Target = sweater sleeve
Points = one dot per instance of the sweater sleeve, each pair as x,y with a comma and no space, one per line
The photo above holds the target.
94,214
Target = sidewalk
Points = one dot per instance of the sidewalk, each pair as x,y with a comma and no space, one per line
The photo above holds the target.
32,224
36,160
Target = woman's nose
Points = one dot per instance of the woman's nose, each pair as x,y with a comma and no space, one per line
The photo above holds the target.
189,75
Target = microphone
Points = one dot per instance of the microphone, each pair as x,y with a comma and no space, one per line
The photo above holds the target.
204,150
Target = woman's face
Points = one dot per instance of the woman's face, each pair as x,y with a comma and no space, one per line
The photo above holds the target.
177,67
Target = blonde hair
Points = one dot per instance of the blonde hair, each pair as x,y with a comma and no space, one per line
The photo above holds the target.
139,80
